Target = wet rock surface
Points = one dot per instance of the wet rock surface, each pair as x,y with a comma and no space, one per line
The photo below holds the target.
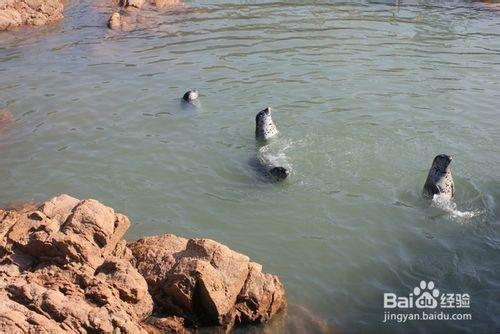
65,268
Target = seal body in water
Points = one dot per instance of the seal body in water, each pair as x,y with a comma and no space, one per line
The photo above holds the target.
270,168
190,96
264,125
439,180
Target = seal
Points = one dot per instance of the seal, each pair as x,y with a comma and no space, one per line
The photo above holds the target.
190,96
264,125
439,180
270,168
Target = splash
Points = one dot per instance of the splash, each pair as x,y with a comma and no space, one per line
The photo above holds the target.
275,153
446,204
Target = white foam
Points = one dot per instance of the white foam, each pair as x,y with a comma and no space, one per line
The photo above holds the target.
446,204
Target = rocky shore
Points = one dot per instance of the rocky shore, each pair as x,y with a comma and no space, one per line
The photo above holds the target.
64,268
14,13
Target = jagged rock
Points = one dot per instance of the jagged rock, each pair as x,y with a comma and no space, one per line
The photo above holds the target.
57,274
15,13
115,21
60,207
65,269
133,3
206,281
261,297
165,3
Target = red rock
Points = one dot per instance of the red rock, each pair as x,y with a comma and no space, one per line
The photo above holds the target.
165,3
65,269
134,3
15,13
261,297
171,325
206,279
59,207
115,21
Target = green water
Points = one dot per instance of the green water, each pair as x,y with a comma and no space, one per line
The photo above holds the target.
364,95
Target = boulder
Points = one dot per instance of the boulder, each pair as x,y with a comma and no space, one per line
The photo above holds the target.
59,272
261,297
115,21
14,13
133,3
165,3
64,268
207,282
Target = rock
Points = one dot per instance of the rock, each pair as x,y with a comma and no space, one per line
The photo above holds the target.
6,118
59,207
15,13
59,272
172,325
261,297
165,3
64,268
133,3
206,281
115,21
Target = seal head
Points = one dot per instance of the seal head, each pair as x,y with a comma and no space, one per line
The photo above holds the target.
279,173
439,179
190,96
264,125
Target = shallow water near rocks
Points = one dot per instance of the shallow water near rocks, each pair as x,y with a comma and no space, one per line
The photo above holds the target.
364,94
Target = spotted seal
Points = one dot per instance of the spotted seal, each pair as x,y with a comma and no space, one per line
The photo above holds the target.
264,130
190,96
439,179
264,125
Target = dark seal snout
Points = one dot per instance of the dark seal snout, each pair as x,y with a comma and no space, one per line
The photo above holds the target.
279,173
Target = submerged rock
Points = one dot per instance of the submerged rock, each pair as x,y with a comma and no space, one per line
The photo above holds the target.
64,268
6,120
14,13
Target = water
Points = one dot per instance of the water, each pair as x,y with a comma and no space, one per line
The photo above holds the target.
364,94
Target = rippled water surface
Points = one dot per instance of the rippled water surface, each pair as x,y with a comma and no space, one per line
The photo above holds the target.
364,95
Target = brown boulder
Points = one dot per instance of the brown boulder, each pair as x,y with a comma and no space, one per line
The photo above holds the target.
206,281
84,233
59,272
115,21
60,207
15,13
261,297
64,268
133,3
165,3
